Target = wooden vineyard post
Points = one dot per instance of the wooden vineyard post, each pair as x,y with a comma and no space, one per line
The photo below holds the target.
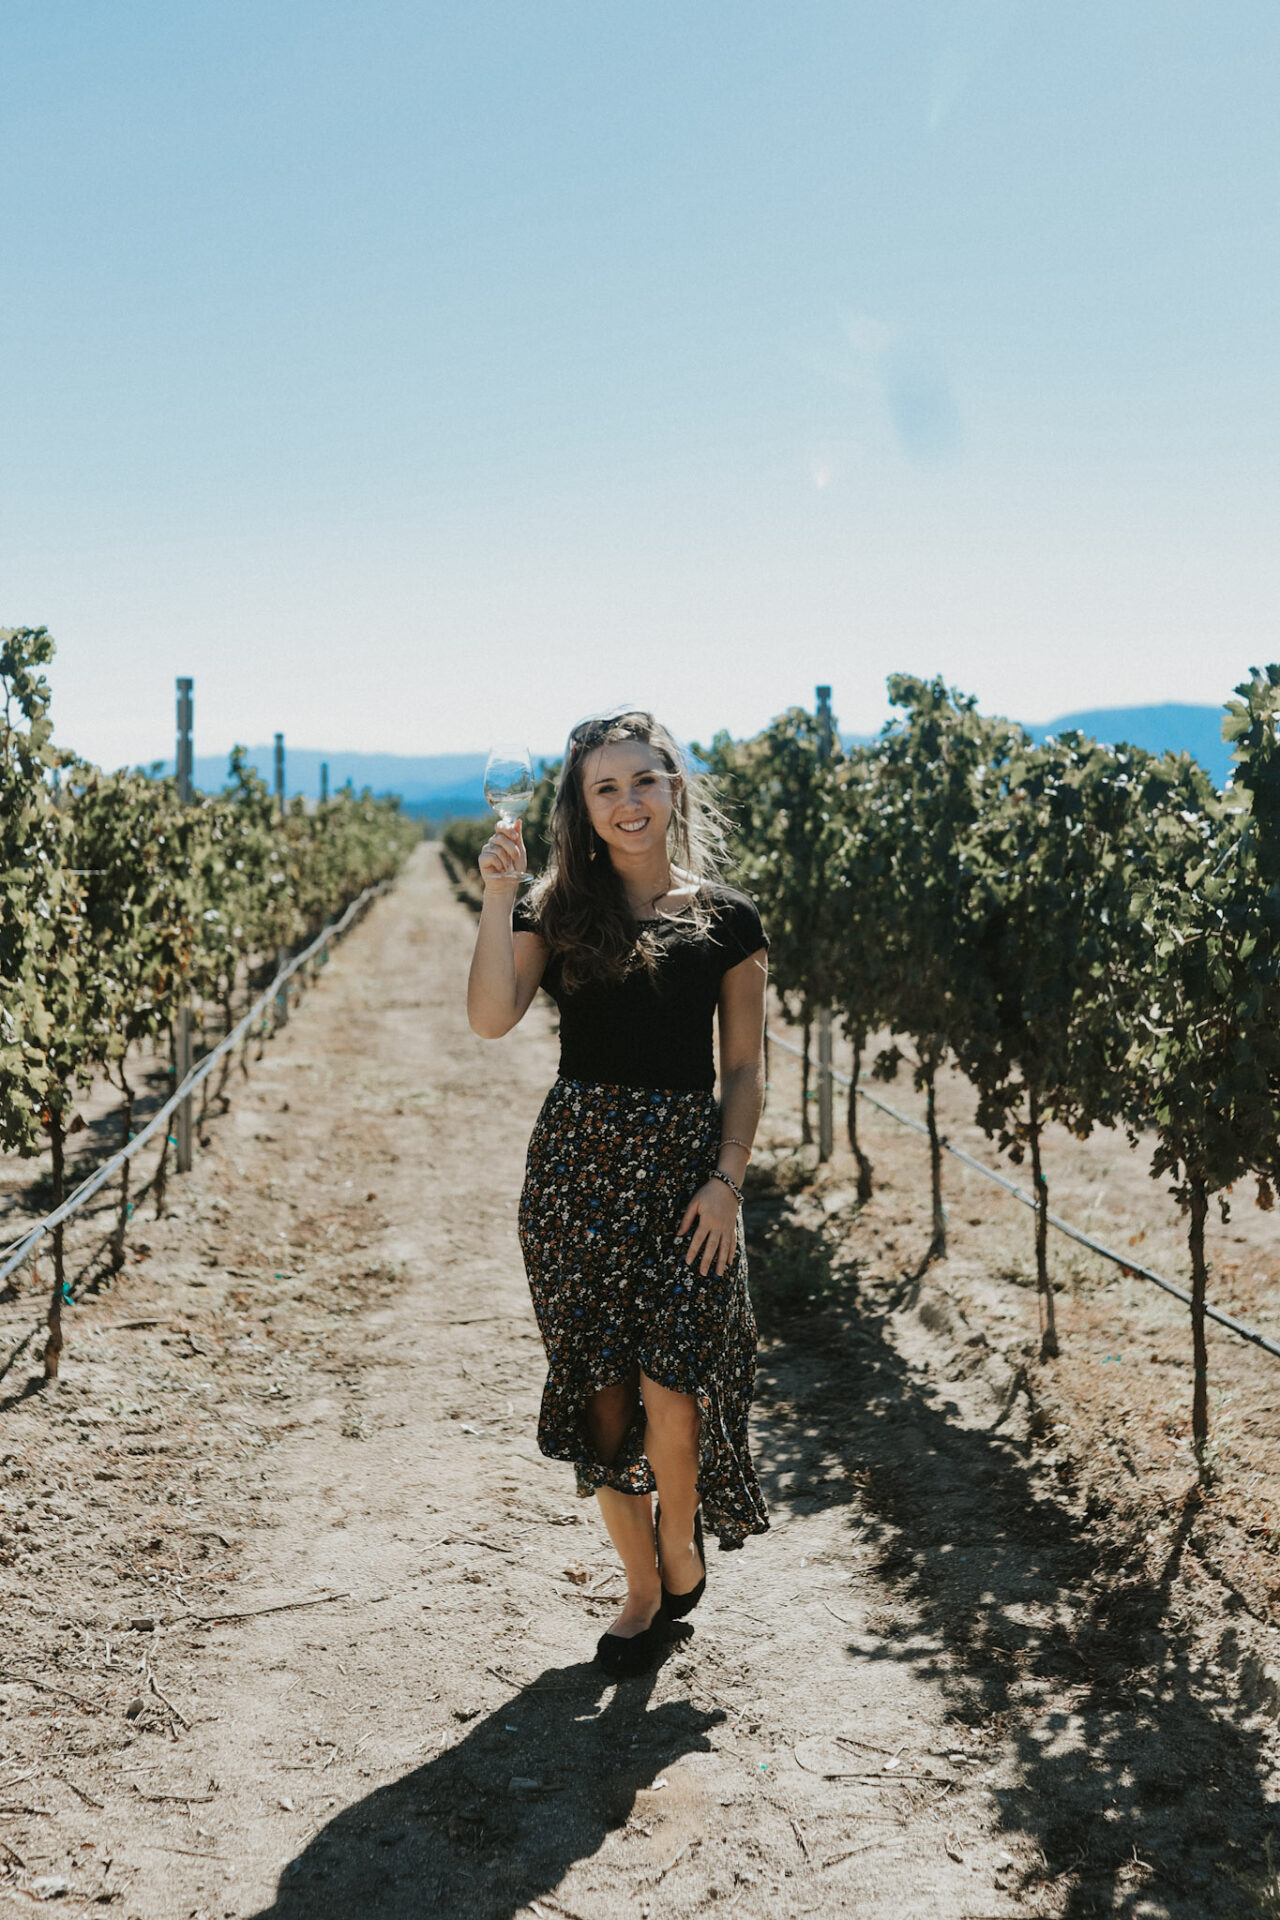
182,1025
826,1086
282,997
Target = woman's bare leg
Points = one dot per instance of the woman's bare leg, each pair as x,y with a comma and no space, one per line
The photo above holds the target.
672,1424
628,1516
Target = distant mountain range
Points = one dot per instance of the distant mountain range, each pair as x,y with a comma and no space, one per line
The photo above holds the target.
441,785
1168,729
438,785
1193,730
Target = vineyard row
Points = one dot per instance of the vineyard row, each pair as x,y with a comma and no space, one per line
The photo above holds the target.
1091,933
123,907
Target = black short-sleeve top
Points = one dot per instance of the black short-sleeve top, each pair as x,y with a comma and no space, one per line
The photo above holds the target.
654,1029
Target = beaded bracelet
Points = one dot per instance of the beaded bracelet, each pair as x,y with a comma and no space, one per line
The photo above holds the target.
744,1144
718,1173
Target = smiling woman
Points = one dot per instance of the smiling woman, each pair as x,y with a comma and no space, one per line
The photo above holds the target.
629,1218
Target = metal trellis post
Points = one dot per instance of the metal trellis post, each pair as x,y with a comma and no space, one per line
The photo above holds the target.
182,1036
826,1086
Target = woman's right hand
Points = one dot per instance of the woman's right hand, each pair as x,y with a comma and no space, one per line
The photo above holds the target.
502,858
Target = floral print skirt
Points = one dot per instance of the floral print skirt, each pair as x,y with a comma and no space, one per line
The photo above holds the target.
610,1172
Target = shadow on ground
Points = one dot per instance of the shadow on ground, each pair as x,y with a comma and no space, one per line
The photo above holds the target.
1140,1775
1054,1636
469,1833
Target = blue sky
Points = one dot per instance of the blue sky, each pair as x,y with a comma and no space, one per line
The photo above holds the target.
416,374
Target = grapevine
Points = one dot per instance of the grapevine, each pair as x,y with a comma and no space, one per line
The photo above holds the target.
119,905
1092,933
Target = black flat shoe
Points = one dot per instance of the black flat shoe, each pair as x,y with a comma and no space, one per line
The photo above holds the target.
676,1605
624,1657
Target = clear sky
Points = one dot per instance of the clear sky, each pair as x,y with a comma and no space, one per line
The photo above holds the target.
413,374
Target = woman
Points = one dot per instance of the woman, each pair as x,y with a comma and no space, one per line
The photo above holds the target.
629,1219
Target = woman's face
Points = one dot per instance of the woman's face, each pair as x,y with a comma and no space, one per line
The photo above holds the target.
629,794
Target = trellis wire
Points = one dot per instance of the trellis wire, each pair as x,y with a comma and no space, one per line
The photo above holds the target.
99,1178
1238,1327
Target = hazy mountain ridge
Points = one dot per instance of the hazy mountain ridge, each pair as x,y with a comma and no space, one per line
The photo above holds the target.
436,783
1169,728
441,784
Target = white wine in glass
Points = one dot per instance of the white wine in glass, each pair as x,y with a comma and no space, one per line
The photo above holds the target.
509,784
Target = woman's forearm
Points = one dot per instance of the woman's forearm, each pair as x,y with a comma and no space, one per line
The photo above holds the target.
492,1008
741,1100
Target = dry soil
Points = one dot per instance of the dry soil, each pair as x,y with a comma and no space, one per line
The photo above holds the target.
297,1621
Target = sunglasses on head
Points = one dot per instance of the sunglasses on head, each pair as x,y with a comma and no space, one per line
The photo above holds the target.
594,730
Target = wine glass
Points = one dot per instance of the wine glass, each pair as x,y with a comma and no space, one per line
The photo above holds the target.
509,783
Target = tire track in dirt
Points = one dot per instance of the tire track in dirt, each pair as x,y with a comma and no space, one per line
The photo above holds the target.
354,1370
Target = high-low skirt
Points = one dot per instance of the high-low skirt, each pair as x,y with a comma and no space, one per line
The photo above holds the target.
610,1172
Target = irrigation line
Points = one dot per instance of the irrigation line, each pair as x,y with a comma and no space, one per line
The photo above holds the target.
1239,1327
98,1179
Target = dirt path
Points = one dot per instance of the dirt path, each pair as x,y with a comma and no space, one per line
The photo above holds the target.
914,1697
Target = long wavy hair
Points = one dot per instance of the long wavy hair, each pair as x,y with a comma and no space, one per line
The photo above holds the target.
580,902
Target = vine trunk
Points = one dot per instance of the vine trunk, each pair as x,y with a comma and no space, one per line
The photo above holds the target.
53,1345
122,1217
1048,1325
929,1075
1199,1346
855,1147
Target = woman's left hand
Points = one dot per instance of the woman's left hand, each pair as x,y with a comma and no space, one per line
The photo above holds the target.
712,1218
